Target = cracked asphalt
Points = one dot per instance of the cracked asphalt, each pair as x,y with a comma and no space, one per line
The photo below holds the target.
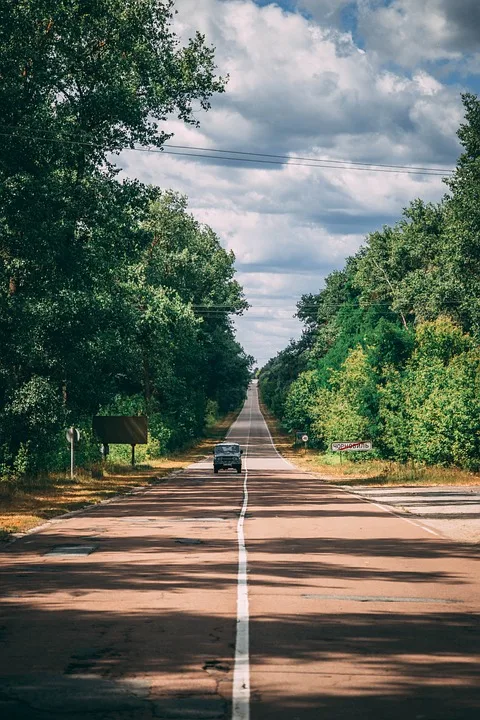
128,610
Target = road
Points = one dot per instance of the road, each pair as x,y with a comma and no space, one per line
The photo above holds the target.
449,510
195,601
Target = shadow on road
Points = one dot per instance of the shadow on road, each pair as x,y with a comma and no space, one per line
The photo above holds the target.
144,605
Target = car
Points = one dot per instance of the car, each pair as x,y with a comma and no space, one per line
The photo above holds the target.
227,455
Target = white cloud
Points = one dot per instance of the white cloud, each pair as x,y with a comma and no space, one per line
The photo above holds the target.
300,88
409,32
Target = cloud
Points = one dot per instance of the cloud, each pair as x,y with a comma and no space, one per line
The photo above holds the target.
409,32
291,87
301,87
331,13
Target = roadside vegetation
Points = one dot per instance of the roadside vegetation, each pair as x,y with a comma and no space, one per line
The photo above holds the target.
33,500
346,469
391,346
113,298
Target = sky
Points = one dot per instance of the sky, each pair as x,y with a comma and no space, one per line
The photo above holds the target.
365,81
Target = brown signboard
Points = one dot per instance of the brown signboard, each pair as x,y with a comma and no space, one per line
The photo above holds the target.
121,429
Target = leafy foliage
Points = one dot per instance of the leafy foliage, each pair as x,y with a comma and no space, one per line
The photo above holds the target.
102,282
391,344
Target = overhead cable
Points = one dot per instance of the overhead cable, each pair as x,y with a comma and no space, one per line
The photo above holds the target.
294,157
286,163
253,158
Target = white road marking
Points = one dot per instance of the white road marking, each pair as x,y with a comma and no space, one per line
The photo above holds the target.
351,492
402,517
241,671
287,462
386,509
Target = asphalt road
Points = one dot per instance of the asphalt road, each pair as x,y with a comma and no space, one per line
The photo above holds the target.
139,609
448,510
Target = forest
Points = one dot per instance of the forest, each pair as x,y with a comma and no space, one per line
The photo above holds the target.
106,285
390,349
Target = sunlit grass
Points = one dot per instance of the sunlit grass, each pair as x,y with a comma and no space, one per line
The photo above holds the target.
341,469
35,500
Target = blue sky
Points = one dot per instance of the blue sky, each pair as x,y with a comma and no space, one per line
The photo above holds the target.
366,81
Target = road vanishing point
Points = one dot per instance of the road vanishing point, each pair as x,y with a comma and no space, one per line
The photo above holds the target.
265,595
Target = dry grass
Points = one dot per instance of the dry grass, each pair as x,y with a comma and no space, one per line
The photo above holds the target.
344,471
41,499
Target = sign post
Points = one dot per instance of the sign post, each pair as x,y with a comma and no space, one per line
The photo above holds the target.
73,436
304,440
299,435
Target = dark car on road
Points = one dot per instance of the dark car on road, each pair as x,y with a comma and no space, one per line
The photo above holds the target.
227,455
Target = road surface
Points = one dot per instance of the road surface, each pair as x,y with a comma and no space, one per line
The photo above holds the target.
195,601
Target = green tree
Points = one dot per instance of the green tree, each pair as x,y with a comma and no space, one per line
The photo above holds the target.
430,411
347,409
80,81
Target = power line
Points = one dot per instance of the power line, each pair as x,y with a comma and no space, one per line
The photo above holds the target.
294,157
220,308
289,312
231,156
300,164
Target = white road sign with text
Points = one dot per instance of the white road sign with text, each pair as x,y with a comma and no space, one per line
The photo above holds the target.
351,446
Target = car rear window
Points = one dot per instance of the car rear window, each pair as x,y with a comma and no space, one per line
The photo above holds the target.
227,449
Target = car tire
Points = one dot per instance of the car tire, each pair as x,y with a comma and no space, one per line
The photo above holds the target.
239,469
215,470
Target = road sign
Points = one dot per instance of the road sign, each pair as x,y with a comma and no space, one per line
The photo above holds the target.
121,429
304,438
72,434
364,445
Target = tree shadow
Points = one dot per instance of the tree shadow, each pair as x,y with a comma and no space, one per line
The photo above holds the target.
134,629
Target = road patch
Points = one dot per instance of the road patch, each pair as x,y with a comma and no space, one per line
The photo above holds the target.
71,550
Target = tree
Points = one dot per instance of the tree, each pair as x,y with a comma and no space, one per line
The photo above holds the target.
430,411
462,246
80,81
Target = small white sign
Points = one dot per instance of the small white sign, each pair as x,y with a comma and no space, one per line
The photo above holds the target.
72,434
304,438
351,446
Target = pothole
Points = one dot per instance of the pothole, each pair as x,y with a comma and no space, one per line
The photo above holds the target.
216,666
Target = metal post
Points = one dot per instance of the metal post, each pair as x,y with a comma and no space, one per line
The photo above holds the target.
72,453
133,456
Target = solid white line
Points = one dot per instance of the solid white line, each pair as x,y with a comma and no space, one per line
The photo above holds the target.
241,671
402,517
386,509
363,497
287,462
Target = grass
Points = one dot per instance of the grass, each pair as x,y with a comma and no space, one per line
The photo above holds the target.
36,500
338,470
